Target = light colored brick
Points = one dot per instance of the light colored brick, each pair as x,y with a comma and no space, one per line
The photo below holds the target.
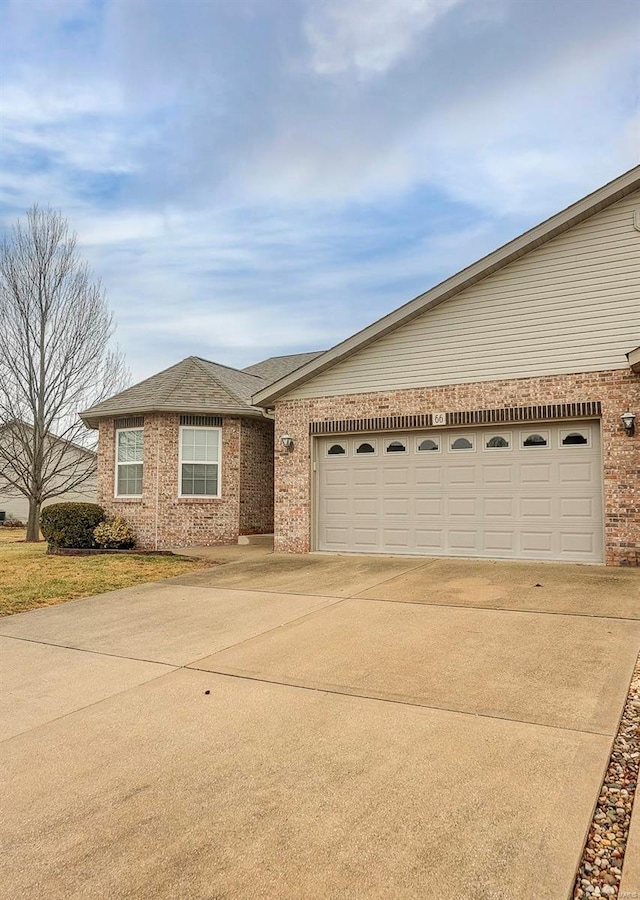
161,518
617,391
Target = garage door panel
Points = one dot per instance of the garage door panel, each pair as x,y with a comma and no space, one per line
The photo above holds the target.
429,539
396,538
427,475
429,507
577,542
576,472
395,476
535,473
395,506
498,474
366,475
517,502
365,506
499,542
577,507
462,507
535,508
336,506
366,539
539,541
458,474
461,539
498,507
339,537
338,477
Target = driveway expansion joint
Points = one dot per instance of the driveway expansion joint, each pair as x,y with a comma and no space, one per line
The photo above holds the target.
381,698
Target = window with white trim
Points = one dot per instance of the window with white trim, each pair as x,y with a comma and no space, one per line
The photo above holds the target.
199,474
129,462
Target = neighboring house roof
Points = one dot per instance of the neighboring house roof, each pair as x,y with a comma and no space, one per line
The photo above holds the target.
196,385
19,425
278,366
503,256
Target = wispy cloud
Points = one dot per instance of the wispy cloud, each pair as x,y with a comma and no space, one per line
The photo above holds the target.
369,38
258,176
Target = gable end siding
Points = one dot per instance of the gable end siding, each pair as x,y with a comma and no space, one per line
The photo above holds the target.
572,305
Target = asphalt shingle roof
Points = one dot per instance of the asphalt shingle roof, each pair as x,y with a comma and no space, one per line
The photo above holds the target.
278,366
197,385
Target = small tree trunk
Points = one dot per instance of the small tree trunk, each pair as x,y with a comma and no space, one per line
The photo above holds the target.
33,522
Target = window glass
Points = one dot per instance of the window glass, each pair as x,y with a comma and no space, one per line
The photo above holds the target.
535,440
574,437
498,442
396,447
365,448
428,444
199,462
129,462
461,443
336,450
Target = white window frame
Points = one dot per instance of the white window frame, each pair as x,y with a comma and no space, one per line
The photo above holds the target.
197,497
118,464
359,442
543,432
332,443
579,429
488,435
436,438
393,439
468,437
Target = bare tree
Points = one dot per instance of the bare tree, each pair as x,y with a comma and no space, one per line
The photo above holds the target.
55,359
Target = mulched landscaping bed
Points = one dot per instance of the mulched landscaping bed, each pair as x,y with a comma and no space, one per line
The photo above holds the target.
72,551
601,866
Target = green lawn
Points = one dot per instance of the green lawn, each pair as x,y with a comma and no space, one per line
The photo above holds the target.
29,578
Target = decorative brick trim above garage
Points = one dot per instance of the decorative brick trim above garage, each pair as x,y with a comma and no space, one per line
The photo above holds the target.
562,411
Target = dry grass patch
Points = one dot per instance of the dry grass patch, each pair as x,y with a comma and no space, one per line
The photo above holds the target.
29,578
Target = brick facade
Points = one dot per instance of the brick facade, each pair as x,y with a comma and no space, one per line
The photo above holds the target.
161,518
256,477
617,391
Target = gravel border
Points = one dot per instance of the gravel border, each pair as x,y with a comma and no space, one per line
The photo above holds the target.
600,869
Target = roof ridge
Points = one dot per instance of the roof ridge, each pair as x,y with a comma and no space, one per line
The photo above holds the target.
199,360
223,366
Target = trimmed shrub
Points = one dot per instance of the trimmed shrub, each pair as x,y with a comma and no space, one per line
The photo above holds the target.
115,534
71,524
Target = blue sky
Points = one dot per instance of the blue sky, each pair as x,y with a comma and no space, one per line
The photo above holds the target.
258,177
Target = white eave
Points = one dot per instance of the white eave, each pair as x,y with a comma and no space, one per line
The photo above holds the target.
634,360
590,205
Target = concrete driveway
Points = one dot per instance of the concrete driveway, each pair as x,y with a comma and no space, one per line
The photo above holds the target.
315,726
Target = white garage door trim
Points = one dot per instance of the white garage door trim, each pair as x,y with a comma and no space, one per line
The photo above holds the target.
538,497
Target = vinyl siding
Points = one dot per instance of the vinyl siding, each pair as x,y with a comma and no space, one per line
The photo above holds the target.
16,506
572,305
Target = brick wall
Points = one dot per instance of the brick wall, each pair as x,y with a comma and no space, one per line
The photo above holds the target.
616,390
160,517
256,477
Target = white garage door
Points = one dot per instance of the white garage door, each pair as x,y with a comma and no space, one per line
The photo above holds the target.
516,492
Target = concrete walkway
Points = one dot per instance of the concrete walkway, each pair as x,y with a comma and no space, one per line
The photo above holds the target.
318,726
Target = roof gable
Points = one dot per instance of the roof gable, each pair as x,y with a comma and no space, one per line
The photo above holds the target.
518,248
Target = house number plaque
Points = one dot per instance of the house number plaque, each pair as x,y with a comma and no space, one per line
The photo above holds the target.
439,418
